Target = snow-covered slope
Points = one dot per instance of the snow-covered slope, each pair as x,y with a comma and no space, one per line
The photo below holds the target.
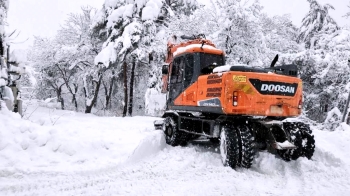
67,141
58,152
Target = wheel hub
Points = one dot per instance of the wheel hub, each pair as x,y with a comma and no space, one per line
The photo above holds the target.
169,131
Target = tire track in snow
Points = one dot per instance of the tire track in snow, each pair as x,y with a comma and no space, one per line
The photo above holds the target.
157,169
93,182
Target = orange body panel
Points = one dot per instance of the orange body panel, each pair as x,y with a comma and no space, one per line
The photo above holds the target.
220,86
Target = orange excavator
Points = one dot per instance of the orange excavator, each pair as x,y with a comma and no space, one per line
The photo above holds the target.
245,109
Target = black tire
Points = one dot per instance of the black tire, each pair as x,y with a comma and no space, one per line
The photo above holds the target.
295,136
193,136
246,144
214,140
173,136
229,147
308,141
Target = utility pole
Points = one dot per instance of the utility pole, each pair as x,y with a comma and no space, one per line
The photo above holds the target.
346,108
347,101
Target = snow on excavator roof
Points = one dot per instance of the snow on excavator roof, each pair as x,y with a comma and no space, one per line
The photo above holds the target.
225,68
197,48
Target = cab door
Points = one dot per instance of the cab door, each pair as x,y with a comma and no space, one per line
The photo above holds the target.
176,79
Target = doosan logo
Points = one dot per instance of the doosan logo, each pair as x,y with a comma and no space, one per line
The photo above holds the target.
277,88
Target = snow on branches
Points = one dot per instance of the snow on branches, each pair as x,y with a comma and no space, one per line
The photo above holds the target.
348,13
119,50
3,15
316,20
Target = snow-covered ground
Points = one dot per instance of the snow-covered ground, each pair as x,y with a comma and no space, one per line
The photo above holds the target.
55,152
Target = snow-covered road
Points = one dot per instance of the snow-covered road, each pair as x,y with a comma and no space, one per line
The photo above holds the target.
57,152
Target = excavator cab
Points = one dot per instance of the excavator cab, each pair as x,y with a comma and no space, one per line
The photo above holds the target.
185,70
188,60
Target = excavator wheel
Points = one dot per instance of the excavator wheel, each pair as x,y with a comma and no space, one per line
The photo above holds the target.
173,136
295,136
229,146
246,141
308,141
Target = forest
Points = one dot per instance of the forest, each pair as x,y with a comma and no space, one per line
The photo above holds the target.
108,61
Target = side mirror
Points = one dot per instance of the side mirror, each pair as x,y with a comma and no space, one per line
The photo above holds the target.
165,69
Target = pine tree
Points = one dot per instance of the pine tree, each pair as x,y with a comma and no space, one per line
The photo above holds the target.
317,20
347,15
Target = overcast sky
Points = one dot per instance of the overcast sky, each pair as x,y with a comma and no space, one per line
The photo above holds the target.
299,8
43,17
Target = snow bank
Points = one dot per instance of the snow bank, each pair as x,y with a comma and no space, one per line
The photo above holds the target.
154,102
198,169
59,140
150,145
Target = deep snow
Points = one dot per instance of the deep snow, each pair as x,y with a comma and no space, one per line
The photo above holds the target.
57,152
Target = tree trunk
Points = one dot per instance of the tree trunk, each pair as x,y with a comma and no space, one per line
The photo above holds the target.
58,90
108,93
97,89
125,89
66,81
74,100
132,77
59,96
75,97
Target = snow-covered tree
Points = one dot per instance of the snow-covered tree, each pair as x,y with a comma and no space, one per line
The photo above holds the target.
3,15
186,7
348,13
13,66
3,72
50,82
279,35
79,47
242,30
65,63
4,4
193,24
324,64
326,74
317,20
239,30
135,29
